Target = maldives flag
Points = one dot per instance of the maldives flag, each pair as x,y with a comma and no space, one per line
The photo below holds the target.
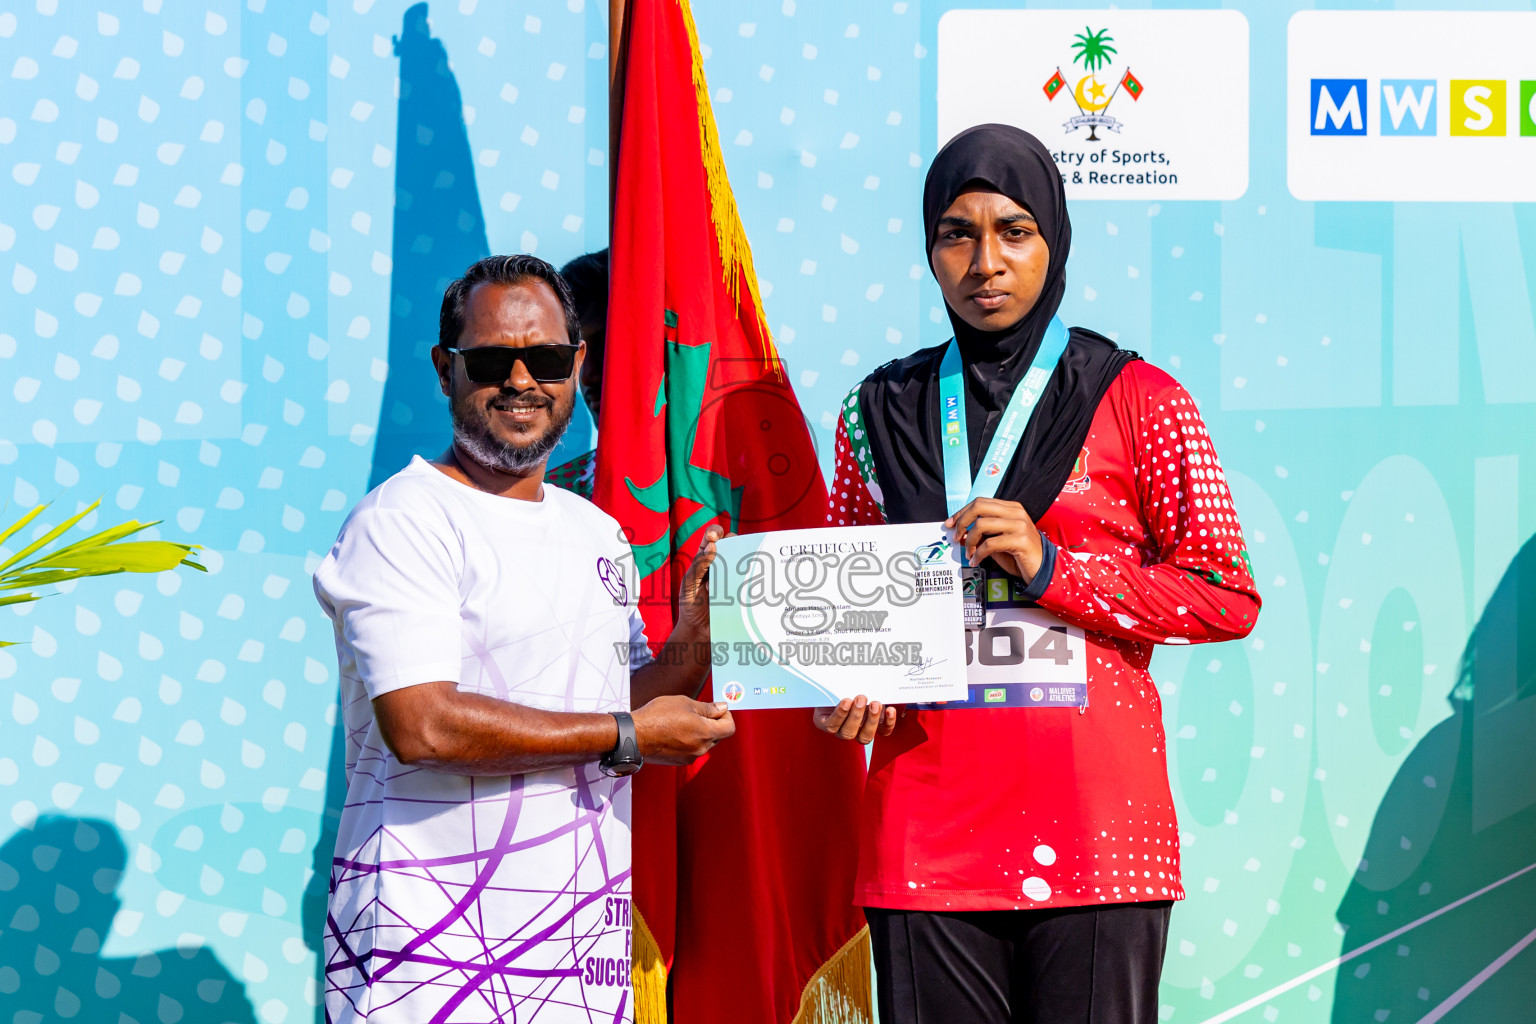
744,862
1054,85
1131,84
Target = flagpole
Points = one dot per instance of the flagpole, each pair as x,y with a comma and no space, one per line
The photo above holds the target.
1117,88
618,57
1073,91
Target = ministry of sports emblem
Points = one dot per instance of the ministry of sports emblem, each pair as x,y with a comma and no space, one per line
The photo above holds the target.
1110,138
1095,51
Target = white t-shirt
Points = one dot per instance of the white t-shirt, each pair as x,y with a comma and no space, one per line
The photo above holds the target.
456,898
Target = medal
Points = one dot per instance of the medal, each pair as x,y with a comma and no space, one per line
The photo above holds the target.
972,583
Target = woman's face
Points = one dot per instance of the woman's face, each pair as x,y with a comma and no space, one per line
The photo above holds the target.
990,260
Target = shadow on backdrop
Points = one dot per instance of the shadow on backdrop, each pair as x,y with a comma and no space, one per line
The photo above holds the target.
58,896
438,231
1460,815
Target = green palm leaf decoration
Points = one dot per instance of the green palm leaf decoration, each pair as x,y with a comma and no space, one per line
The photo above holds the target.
1093,48
101,554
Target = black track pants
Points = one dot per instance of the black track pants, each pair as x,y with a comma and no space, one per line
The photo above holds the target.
1078,965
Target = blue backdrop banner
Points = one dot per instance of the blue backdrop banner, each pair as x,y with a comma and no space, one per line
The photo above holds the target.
225,228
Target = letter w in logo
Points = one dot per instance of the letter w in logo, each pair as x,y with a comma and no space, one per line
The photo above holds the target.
1408,106
1338,106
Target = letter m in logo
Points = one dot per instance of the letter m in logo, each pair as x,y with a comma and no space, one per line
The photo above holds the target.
1338,106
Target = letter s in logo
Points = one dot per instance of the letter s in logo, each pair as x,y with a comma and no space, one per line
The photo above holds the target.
1477,106
1476,100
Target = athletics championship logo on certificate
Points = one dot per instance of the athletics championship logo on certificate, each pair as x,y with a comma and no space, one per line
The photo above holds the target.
1132,104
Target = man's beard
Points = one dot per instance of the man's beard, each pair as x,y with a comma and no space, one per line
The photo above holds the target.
472,431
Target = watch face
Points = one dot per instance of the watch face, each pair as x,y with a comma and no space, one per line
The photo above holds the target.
620,769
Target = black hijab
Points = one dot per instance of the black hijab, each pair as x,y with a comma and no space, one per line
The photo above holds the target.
900,400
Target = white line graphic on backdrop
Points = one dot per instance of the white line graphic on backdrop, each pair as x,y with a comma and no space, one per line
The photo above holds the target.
1477,979
1286,986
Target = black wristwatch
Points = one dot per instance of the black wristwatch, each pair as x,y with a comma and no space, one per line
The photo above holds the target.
624,759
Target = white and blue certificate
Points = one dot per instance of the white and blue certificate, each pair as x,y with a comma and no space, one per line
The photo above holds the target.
804,618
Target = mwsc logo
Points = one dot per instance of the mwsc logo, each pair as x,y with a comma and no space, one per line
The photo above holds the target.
1408,106
1411,106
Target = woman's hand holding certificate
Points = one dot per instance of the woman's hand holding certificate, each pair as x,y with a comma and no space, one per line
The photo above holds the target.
1000,530
856,719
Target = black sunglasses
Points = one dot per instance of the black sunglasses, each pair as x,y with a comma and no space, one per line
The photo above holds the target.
492,364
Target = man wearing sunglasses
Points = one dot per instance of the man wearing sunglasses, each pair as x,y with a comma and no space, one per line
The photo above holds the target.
491,653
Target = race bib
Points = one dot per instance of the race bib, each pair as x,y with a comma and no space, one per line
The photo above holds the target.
1021,656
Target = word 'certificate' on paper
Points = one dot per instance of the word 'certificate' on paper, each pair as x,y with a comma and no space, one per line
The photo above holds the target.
808,617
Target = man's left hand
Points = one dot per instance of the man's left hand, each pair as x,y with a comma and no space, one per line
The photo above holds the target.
1002,531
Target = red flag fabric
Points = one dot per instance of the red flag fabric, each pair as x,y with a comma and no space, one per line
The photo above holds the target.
744,862
1131,84
1054,85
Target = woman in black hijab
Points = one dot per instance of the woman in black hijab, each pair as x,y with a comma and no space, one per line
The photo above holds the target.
1019,852
900,397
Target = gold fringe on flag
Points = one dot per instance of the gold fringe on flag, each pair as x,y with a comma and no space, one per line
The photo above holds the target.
735,251
839,993
649,974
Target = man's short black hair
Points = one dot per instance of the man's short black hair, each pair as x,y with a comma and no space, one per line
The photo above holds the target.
502,270
587,275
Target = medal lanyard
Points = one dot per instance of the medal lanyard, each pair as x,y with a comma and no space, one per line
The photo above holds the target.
959,487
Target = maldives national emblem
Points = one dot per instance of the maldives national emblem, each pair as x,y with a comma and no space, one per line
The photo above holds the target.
1092,96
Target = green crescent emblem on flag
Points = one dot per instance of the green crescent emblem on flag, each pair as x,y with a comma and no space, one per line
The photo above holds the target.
679,399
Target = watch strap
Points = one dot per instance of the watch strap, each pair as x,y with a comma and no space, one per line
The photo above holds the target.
626,752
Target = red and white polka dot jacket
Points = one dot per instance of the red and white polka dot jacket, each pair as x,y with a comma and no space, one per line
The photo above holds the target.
1009,808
